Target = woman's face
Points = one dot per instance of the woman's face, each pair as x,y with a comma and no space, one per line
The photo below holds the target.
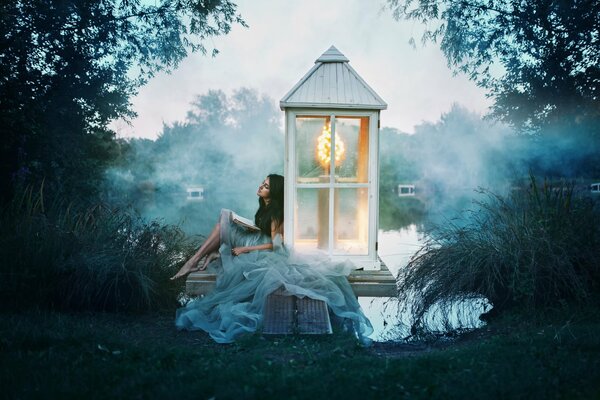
264,189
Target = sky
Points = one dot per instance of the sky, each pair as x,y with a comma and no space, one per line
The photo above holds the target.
283,40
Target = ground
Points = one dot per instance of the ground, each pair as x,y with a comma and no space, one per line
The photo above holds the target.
50,354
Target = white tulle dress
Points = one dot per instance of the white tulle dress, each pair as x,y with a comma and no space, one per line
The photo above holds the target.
236,305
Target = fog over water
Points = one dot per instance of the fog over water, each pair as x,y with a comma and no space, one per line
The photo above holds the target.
227,144
218,155
215,158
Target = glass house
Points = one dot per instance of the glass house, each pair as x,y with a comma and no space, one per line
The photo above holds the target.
332,162
331,174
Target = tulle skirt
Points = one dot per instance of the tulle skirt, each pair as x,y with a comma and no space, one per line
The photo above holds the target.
243,283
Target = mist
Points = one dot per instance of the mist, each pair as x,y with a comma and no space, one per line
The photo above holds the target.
216,158
447,161
227,144
452,160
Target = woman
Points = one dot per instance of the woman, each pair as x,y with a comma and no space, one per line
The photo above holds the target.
269,218
248,273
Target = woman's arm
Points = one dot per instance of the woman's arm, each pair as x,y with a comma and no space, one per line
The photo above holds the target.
236,251
275,229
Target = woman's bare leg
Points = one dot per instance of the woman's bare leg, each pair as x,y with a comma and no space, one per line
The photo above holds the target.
210,245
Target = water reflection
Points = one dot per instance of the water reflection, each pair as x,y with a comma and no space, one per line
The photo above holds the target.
389,321
395,249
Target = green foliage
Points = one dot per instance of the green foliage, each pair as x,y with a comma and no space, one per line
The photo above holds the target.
538,59
117,356
68,68
59,257
535,249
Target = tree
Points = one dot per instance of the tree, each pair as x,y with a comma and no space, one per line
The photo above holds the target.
226,145
548,50
67,68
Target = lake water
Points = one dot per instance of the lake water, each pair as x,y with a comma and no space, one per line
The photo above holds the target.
396,247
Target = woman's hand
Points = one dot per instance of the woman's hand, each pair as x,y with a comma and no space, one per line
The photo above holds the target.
236,251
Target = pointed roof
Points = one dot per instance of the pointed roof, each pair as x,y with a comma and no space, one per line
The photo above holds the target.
332,83
332,55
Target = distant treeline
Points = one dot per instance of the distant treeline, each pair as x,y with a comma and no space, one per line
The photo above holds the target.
214,159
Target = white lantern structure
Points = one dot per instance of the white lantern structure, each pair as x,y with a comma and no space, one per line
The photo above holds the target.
332,174
332,163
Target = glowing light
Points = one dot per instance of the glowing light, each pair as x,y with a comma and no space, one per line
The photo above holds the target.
324,147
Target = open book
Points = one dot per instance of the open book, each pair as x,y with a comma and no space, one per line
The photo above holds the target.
244,222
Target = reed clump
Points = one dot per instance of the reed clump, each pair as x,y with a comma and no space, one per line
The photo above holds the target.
536,248
60,256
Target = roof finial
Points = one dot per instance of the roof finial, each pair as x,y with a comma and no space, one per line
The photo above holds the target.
332,55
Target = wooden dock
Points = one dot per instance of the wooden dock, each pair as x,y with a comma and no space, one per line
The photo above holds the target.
364,283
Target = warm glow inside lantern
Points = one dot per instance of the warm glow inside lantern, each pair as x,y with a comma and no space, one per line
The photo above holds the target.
332,164
324,147
344,182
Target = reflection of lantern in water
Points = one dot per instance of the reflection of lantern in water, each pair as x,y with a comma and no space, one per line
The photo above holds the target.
324,147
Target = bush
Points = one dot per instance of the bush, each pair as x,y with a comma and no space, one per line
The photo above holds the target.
535,248
97,258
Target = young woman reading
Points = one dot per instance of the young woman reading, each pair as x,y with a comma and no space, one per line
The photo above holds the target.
253,264
268,218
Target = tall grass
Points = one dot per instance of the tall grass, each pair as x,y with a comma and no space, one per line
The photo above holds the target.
535,248
97,258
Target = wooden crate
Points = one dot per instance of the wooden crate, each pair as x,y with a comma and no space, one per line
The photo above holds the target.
286,314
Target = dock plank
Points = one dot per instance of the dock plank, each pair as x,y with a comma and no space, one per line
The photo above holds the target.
364,283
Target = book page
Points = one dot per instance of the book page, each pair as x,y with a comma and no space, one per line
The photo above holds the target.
245,222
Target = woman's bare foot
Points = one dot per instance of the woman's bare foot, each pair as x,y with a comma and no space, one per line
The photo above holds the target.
190,266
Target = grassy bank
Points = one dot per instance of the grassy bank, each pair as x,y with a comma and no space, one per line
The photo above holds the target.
60,256
534,249
54,355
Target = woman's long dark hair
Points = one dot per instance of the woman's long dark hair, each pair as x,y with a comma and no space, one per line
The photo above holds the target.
274,211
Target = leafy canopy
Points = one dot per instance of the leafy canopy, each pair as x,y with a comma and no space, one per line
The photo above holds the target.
69,67
539,59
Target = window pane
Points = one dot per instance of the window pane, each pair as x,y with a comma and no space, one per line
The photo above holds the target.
351,221
312,219
353,151
312,154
